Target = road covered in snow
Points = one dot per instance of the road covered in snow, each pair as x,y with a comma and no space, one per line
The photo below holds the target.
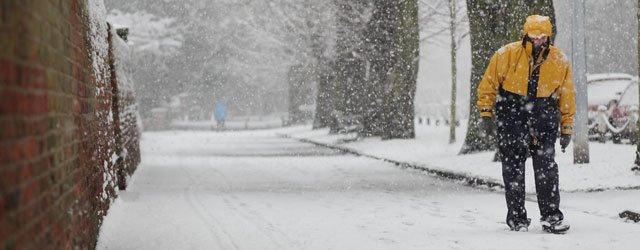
255,190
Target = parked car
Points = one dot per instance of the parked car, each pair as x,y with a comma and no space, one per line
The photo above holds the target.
628,108
613,104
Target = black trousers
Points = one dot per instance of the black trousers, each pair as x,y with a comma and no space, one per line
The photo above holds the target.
528,126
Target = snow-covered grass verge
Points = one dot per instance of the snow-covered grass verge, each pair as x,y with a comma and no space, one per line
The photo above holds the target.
609,166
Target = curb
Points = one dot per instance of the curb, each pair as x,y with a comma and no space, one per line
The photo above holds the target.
473,181
458,177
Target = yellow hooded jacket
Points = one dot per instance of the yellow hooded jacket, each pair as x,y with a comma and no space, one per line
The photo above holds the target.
512,65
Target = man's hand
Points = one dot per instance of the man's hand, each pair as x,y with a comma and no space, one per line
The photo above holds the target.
484,126
565,139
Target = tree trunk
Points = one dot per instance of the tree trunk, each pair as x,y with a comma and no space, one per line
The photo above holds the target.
296,79
354,90
637,162
349,67
387,60
342,50
454,50
378,53
401,80
493,24
324,98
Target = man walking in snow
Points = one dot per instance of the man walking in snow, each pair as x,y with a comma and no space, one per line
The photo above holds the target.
529,88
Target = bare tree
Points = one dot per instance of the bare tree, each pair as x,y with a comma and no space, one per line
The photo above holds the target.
241,50
447,16
637,161
457,24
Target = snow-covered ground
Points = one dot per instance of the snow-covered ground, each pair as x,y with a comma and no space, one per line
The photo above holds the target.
236,123
255,190
609,166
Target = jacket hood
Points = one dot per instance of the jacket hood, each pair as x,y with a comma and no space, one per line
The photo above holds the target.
537,26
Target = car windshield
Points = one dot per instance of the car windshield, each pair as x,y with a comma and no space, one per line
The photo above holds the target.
601,92
630,95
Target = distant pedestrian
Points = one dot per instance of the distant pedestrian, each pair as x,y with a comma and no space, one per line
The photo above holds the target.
528,86
220,114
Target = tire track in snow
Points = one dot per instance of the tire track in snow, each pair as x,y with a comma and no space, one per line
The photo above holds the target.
202,213
251,215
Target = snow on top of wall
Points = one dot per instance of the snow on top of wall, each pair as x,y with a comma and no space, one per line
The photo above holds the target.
122,62
99,51
98,37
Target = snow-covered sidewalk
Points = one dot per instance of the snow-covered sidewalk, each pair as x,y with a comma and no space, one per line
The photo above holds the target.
232,124
609,167
253,190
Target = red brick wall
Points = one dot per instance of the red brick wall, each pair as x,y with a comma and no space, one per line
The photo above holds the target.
57,128
127,131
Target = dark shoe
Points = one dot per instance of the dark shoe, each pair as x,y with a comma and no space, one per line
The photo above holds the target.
555,225
630,215
519,225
